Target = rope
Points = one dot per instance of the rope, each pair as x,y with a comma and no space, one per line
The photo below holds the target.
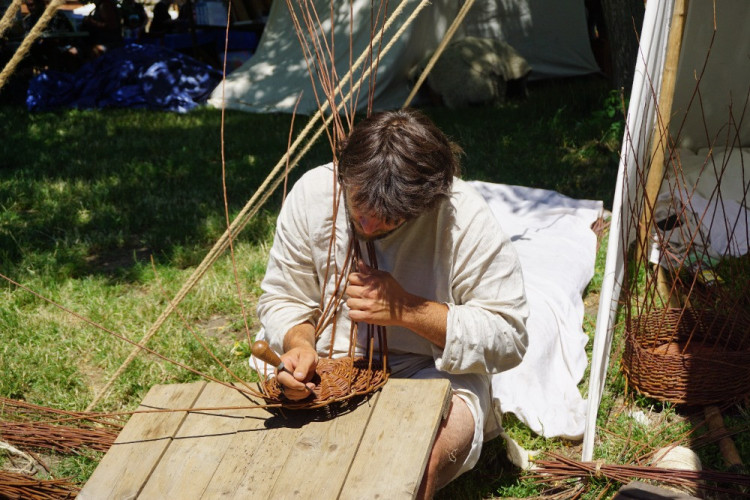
439,51
257,200
7,19
25,46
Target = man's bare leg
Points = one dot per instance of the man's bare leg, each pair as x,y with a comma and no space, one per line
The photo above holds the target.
452,445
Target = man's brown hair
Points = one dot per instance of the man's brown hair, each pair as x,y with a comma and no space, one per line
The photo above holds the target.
398,165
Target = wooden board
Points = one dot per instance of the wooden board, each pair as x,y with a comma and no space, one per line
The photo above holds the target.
378,449
409,412
191,459
320,457
139,447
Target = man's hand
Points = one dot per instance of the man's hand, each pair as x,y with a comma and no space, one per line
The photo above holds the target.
300,363
300,360
375,297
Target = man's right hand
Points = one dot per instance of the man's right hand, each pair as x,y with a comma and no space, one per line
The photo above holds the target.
301,363
300,360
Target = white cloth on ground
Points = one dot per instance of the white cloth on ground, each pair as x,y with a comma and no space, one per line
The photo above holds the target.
557,248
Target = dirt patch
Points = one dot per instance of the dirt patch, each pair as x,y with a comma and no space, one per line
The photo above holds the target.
591,304
222,328
94,375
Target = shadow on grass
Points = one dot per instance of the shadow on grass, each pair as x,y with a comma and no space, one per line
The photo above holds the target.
87,192
94,192
493,472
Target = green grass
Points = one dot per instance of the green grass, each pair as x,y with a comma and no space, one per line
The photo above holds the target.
87,198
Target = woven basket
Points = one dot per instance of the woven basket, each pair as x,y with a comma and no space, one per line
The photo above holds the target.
336,381
684,356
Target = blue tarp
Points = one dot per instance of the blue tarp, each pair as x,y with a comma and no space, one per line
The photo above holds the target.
132,76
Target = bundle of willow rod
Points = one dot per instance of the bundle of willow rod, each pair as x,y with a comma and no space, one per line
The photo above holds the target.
28,425
14,485
62,438
24,411
560,469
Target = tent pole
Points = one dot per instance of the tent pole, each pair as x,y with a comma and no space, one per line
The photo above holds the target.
640,118
662,142
443,43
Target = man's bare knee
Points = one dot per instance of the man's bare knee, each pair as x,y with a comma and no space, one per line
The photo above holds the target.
452,446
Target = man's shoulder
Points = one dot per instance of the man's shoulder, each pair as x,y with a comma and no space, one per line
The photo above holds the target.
465,197
470,209
312,194
318,179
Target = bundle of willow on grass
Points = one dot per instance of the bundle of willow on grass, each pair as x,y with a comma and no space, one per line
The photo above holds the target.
31,426
559,470
13,485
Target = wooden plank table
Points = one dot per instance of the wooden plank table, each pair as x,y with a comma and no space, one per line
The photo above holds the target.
378,450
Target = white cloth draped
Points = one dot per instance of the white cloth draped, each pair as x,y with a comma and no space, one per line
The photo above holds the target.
557,248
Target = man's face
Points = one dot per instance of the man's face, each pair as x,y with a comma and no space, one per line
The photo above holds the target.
368,226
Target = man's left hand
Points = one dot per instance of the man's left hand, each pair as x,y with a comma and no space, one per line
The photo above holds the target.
375,297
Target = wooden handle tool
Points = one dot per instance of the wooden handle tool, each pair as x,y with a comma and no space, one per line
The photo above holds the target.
263,351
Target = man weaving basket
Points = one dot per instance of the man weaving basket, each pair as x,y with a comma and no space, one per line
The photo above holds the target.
448,284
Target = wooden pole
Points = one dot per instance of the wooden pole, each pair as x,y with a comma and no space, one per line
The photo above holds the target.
441,47
661,141
728,450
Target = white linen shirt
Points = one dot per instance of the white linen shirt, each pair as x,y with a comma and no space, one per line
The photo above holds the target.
455,254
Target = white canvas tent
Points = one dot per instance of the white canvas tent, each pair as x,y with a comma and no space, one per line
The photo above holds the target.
708,117
551,35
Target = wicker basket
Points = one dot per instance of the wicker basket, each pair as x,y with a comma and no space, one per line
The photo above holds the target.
684,356
336,381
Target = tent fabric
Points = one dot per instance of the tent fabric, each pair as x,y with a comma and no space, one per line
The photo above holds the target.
557,249
724,69
639,122
718,204
708,116
277,74
132,76
551,35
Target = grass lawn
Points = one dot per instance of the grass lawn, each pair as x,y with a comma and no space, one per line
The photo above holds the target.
108,212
